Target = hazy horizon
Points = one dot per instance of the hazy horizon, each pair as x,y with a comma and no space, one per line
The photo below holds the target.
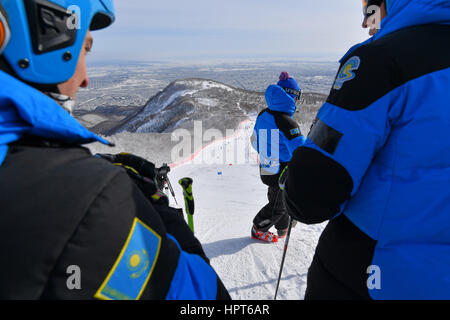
201,30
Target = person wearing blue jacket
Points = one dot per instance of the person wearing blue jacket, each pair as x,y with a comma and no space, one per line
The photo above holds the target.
276,136
376,163
75,226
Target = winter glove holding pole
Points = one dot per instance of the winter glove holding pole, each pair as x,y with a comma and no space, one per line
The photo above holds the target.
186,184
282,183
142,172
162,179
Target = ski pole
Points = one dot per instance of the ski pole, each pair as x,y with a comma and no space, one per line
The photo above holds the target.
163,178
171,190
291,223
186,184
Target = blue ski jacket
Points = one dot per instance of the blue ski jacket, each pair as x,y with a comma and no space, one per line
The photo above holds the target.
61,206
383,135
276,134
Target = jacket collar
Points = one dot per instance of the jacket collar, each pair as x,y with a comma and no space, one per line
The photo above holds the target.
408,13
26,111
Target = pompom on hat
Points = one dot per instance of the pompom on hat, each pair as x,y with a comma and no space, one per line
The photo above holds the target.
284,76
290,85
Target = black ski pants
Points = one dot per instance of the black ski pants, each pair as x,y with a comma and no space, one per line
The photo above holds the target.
274,213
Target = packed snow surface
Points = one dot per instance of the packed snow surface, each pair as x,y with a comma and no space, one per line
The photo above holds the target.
228,194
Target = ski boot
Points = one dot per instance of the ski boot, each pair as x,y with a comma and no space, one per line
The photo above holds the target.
283,232
263,236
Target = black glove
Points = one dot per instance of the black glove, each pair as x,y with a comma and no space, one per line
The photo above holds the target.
282,183
143,173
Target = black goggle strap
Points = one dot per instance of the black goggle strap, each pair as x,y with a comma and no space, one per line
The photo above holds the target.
297,93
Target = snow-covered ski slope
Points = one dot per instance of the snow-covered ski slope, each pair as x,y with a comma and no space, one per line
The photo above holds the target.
228,193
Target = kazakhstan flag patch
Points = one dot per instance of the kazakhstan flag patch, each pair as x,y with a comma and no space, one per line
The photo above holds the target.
134,266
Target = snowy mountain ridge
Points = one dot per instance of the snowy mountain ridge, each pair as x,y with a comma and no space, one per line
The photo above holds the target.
182,102
188,100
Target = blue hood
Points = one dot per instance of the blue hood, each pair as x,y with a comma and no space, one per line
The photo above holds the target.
24,110
407,13
278,100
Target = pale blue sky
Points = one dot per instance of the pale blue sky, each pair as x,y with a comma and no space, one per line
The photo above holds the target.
147,30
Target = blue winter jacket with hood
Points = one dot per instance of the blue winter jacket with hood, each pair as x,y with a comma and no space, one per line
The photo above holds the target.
276,134
397,151
26,111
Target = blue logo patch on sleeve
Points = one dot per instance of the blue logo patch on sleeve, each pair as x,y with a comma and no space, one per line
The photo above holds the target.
346,73
295,131
134,266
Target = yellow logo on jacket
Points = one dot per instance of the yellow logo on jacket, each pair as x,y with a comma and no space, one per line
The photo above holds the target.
346,73
137,263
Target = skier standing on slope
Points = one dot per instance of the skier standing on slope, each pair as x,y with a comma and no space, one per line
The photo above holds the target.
276,136
376,162
73,226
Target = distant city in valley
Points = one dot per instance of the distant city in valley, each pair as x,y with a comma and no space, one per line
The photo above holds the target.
133,83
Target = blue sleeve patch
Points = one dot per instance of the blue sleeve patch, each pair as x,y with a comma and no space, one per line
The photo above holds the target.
134,266
295,131
346,72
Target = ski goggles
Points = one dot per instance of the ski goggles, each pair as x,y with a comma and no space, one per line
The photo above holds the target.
369,7
297,93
